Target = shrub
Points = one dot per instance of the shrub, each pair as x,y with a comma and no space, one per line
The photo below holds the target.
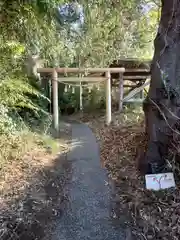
7,124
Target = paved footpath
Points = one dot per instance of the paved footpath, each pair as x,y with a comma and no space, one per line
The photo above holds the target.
88,214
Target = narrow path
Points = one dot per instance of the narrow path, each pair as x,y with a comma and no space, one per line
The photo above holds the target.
87,215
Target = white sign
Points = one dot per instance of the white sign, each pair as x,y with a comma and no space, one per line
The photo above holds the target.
160,181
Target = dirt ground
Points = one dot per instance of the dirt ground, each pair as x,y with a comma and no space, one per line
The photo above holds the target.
32,191
149,215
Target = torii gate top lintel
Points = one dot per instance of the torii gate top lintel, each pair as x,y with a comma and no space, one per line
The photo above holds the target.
81,70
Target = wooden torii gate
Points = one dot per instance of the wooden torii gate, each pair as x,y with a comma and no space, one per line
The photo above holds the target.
55,80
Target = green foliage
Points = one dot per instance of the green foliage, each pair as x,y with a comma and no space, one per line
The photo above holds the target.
94,99
110,31
18,94
7,124
69,100
14,94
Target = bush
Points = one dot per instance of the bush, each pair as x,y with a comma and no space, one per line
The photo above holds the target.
7,124
70,101
94,99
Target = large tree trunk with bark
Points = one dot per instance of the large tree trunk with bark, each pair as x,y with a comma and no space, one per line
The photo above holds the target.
162,105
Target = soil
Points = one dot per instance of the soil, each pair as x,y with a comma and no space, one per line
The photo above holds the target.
32,193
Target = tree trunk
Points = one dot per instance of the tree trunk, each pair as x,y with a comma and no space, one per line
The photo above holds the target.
162,105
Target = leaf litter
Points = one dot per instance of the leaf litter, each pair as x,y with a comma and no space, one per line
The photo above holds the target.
31,190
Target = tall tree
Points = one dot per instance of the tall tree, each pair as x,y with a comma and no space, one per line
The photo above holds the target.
109,30
162,106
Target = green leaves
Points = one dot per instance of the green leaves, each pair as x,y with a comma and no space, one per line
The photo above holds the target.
7,125
110,33
15,94
89,33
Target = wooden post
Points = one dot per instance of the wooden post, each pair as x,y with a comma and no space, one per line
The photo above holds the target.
80,96
121,92
142,94
108,98
55,100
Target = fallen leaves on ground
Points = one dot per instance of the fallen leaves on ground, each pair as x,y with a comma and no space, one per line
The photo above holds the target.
150,215
31,188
